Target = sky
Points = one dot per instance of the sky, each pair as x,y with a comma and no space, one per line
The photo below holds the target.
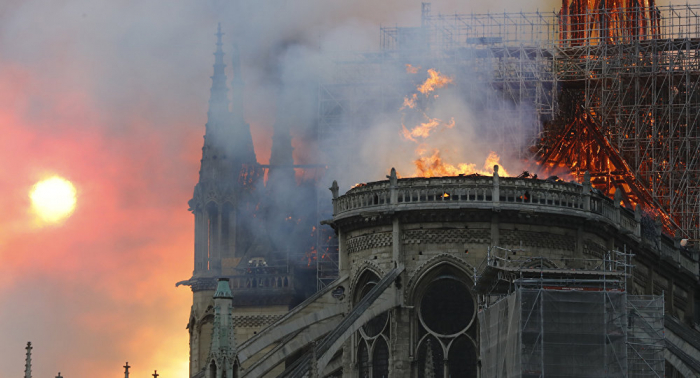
112,95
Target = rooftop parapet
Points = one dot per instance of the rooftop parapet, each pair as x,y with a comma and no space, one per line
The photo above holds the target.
506,193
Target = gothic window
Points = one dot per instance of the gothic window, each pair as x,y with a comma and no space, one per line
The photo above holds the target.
227,230
213,233
380,359
445,325
430,361
212,370
363,359
373,337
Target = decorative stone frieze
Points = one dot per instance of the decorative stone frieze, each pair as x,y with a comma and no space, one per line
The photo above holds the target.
364,242
537,240
250,321
446,236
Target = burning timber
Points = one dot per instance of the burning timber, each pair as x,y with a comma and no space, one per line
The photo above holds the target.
611,88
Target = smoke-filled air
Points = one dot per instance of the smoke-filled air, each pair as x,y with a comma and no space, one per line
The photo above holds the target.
107,101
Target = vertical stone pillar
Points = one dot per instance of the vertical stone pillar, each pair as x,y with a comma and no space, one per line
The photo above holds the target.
198,250
396,242
496,194
343,258
393,187
334,191
586,192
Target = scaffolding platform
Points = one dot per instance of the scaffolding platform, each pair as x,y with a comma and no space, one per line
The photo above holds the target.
566,322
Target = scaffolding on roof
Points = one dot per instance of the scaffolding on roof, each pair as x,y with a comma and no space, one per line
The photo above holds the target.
631,73
576,318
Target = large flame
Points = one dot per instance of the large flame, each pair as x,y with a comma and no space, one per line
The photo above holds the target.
430,163
434,166
434,81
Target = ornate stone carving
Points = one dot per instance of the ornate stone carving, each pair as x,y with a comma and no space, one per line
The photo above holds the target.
364,242
538,240
594,249
250,321
446,236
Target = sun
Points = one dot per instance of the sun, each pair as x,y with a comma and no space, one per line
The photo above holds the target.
53,199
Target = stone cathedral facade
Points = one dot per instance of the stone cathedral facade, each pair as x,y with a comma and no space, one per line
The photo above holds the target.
467,276
231,227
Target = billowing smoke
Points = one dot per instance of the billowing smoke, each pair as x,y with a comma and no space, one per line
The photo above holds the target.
113,96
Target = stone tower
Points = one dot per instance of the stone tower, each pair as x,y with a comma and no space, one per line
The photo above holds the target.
228,172
234,238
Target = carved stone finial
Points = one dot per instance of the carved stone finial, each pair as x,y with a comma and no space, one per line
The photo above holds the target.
334,189
587,178
618,196
495,170
638,213
393,179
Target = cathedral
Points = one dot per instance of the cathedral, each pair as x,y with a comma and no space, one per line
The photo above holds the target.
233,216
464,276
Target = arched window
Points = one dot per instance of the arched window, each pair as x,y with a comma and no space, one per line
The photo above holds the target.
372,339
462,358
380,359
213,235
430,359
212,370
363,360
228,231
446,324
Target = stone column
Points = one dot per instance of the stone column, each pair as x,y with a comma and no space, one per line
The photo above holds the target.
586,192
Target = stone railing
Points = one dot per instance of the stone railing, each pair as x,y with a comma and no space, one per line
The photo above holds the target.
484,192
478,192
244,282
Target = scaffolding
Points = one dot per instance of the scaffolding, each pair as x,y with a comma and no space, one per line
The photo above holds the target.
615,92
538,319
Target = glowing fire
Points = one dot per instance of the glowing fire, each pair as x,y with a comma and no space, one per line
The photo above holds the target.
434,81
409,102
412,69
424,129
434,166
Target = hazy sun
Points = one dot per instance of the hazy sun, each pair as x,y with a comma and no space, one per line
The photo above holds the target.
53,199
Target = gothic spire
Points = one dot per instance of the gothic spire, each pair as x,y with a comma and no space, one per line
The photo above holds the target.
218,100
218,117
244,149
222,349
28,361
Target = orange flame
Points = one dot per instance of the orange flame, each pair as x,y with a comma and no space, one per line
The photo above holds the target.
412,69
424,129
409,102
434,166
434,81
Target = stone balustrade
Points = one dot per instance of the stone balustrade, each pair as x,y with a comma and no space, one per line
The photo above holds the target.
503,193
